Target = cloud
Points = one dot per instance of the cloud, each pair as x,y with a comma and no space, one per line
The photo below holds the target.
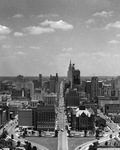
67,49
101,54
112,25
19,46
5,46
38,30
18,16
4,30
114,42
118,35
35,47
89,21
104,14
19,34
57,24
47,15
20,53
3,37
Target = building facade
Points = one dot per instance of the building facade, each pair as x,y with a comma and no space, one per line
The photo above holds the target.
45,117
54,83
73,76
25,117
94,88
50,99
72,98
81,119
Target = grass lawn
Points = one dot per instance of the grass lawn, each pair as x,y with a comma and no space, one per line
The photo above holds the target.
74,142
50,143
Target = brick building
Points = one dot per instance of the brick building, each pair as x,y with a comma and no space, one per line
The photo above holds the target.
44,117
81,119
25,117
72,98
54,83
50,99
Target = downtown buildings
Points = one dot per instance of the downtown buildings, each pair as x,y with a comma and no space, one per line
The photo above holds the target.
79,116
39,99
42,106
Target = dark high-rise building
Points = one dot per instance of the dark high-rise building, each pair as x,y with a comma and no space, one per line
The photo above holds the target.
88,89
40,80
36,84
45,117
46,86
73,76
54,83
72,98
94,88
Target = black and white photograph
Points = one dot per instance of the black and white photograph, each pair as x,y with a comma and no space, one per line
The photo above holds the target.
59,74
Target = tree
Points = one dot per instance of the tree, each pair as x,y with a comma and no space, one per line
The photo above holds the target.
115,144
95,145
119,134
56,133
85,132
4,134
97,133
29,147
34,148
39,133
106,143
110,136
90,147
12,136
18,143
69,133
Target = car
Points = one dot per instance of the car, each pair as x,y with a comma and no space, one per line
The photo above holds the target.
62,130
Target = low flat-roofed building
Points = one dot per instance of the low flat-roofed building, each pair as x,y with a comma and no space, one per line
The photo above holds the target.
38,96
102,101
34,103
50,99
112,109
19,102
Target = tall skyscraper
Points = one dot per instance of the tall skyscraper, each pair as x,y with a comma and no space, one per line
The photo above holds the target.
94,88
40,80
54,83
73,76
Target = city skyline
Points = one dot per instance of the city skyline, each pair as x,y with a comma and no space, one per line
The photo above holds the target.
42,36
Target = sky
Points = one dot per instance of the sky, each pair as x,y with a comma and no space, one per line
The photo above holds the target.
42,36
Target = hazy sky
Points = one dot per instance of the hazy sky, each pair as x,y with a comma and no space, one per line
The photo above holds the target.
41,36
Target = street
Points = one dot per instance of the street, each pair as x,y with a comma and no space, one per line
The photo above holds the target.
11,130
62,135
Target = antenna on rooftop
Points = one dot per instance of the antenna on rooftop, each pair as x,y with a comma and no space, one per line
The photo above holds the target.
93,74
